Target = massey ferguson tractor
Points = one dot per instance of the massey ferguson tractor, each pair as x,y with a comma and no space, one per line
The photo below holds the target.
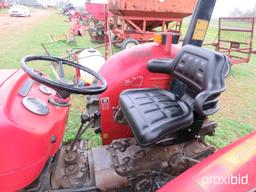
150,104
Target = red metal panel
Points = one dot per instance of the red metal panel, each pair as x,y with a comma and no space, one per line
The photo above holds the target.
126,70
147,8
96,9
214,174
25,139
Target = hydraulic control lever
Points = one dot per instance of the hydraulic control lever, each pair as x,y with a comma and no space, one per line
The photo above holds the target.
86,121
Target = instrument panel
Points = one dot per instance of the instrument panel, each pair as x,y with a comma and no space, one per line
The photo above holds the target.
28,122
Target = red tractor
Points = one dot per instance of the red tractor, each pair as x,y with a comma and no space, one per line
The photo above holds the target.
79,22
150,104
4,5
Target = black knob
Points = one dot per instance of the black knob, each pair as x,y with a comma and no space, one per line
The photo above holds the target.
97,114
85,117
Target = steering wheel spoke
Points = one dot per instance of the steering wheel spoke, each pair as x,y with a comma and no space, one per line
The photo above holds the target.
61,70
62,85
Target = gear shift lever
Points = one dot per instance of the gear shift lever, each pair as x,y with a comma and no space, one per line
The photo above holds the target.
85,119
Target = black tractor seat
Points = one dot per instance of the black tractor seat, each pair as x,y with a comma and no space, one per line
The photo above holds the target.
154,113
198,81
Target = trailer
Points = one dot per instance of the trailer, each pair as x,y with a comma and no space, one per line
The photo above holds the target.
235,38
97,12
136,21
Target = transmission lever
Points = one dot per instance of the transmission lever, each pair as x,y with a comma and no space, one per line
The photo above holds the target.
97,114
93,118
85,118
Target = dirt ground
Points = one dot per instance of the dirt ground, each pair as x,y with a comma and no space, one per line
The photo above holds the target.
10,26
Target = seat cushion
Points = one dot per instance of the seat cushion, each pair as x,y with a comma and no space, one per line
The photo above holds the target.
154,113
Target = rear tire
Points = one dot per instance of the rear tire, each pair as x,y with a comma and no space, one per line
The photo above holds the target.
128,43
116,42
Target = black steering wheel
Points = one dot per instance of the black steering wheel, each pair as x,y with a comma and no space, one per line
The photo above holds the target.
64,88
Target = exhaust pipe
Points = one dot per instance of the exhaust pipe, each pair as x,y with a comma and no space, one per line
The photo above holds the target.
199,23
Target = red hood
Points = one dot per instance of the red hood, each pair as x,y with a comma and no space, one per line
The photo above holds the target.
6,74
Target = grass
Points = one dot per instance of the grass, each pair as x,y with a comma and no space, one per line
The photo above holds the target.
3,11
238,107
29,42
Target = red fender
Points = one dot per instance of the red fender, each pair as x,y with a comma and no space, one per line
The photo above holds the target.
125,70
25,138
232,168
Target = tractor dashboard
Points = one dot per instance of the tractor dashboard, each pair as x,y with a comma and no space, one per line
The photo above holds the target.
27,120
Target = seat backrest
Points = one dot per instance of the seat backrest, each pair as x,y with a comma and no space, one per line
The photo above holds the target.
203,73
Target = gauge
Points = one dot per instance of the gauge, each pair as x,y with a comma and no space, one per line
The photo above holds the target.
46,90
35,105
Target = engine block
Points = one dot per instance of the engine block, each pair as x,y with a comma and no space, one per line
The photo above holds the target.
158,164
125,166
